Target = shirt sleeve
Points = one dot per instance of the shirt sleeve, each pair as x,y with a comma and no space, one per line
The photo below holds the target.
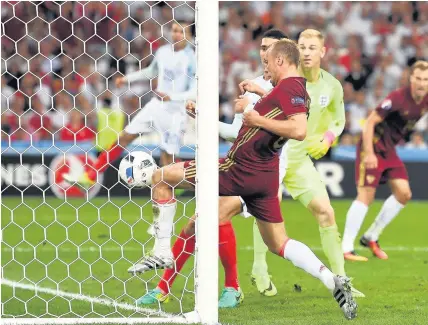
389,104
290,100
230,132
145,74
337,110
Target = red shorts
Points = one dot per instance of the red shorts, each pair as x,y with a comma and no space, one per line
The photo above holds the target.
389,167
258,189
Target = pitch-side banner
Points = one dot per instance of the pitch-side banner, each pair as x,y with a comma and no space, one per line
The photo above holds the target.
32,176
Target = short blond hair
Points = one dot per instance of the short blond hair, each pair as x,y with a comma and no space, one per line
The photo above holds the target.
309,33
420,64
288,49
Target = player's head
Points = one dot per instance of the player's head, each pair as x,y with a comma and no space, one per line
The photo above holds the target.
419,80
181,32
268,38
312,49
280,57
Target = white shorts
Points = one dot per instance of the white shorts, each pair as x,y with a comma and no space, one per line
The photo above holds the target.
282,170
168,119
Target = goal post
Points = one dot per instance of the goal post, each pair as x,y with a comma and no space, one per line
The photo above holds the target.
65,250
207,162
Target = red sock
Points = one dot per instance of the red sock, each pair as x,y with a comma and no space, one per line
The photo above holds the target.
227,252
183,248
104,159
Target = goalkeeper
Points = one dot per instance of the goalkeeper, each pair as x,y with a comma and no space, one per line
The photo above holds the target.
325,123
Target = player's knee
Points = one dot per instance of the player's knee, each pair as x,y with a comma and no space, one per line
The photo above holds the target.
157,177
189,228
366,195
126,138
404,196
326,216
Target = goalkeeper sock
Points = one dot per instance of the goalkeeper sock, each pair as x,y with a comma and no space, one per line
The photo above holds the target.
354,219
260,266
389,211
330,241
163,214
227,252
104,160
183,248
301,256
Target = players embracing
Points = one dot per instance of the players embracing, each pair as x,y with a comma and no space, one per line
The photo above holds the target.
378,162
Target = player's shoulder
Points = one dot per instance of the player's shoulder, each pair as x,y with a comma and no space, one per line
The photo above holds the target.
399,95
260,81
292,85
330,79
167,48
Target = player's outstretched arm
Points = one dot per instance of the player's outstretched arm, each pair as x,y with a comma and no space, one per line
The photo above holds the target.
292,128
145,74
229,132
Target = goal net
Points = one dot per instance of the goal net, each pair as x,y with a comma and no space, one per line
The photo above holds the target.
65,250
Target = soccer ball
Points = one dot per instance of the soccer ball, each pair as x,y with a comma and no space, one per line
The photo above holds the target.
137,169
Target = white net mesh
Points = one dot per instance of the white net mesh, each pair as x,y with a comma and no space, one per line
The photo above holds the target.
66,250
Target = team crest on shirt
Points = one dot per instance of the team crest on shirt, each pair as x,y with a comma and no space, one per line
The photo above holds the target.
386,104
324,100
370,179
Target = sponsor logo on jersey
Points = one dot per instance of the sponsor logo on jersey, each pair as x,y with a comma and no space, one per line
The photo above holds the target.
75,165
386,104
370,179
297,101
324,100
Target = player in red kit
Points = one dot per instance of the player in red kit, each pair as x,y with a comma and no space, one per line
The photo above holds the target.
377,161
251,171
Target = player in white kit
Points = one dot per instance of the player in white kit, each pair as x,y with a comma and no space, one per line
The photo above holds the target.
174,66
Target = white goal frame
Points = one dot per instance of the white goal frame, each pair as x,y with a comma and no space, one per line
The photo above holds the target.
206,261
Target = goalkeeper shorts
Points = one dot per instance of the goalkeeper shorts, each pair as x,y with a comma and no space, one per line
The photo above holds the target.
303,181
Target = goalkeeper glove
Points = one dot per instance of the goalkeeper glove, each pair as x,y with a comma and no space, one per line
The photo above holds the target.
316,147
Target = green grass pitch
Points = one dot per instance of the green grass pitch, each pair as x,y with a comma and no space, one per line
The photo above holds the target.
396,290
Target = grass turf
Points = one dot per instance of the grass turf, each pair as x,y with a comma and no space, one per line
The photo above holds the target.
396,290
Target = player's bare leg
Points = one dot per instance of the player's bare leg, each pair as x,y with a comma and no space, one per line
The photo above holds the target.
164,180
301,256
101,164
401,194
184,247
166,158
354,220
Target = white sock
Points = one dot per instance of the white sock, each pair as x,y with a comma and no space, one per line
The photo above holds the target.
354,219
389,211
260,266
301,256
163,215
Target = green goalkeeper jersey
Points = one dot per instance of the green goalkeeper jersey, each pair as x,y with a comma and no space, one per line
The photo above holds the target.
326,113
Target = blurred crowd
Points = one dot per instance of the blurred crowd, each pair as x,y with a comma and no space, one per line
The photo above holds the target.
60,60
370,46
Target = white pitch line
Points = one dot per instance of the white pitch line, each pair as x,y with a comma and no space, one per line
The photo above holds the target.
78,296
133,249
386,248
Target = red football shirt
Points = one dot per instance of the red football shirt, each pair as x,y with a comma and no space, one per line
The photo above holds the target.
400,114
255,147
